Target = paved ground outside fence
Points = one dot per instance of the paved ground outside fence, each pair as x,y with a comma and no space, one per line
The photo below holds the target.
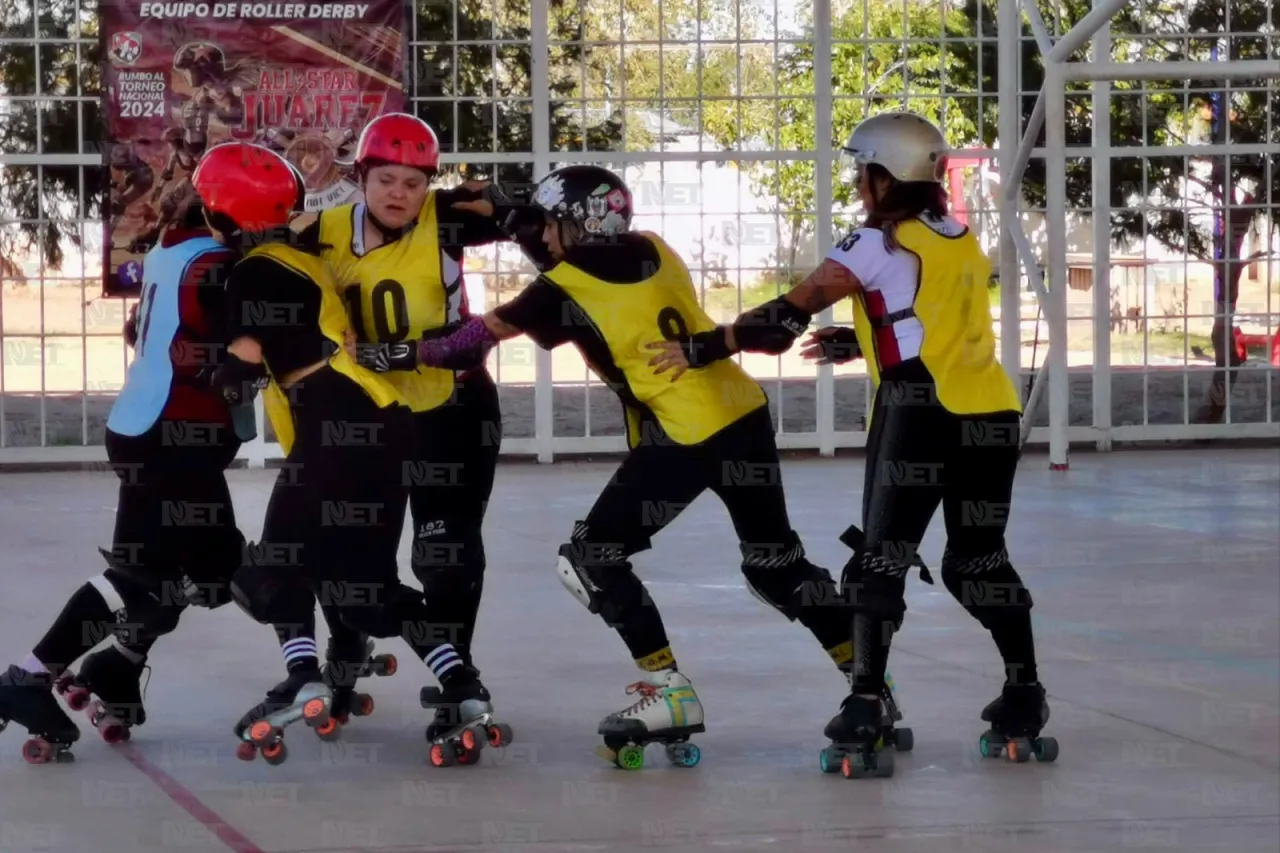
1157,617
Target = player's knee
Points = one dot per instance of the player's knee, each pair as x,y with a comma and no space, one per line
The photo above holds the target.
785,580
398,611
208,582
447,544
875,585
140,605
599,575
987,586
272,594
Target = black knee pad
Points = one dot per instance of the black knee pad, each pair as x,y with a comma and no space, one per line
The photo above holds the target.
855,540
987,586
783,579
144,607
447,543
208,582
875,586
601,578
398,611
272,594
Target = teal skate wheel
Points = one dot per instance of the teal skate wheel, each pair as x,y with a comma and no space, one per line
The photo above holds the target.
630,757
830,758
1046,749
991,744
683,754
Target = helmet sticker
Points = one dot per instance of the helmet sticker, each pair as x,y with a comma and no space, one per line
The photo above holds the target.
617,200
550,193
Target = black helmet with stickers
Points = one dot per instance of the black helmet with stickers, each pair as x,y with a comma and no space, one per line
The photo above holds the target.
591,197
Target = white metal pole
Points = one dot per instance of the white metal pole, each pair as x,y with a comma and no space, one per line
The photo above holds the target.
824,202
1056,222
1009,29
540,60
1078,36
1038,27
1102,244
1027,147
1240,69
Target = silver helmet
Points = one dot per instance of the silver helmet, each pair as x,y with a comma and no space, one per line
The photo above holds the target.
906,145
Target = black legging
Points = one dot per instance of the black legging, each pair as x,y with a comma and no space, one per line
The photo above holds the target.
654,484
920,455
450,483
336,513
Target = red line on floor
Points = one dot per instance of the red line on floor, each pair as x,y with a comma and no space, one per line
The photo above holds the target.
189,802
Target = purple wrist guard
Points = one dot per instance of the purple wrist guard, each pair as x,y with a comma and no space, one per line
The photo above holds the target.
464,349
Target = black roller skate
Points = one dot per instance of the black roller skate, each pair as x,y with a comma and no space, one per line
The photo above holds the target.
301,696
108,689
858,748
27,699
668,712
345,664
1017,719
900,737
464,721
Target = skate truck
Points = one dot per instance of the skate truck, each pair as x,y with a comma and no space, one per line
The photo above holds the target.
347,702
476,729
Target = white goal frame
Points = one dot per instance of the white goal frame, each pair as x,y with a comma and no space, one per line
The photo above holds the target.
1050,113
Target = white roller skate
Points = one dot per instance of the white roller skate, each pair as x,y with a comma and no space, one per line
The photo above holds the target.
667,712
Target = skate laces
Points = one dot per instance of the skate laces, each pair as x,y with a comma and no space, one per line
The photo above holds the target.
146,681
649,694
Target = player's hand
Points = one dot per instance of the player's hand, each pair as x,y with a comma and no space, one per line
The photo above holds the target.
481,206
671,356
349,344
832,345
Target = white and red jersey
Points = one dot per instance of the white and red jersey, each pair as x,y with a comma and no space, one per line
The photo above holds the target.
891,282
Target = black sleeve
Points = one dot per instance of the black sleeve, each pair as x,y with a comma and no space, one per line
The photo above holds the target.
463,229
308,238
277,307
542,311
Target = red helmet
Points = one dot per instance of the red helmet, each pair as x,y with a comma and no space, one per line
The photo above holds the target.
399,139
253,186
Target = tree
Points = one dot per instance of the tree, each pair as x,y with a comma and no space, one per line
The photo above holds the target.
873,68
1162,197
42,212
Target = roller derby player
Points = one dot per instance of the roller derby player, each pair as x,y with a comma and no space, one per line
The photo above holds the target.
333,521
944,409
170,437
609,291
398,259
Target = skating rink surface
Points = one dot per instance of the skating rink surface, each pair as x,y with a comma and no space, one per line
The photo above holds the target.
1156,576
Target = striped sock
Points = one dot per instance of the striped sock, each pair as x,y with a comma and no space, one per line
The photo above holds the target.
442,659
300,653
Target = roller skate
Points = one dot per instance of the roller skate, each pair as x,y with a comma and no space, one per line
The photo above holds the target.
858,746
301,696
115,680
27,699
667,712
464,721
900,738
340,673
1017,719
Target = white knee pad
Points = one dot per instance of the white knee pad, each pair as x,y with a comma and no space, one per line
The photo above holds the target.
110,595
579,586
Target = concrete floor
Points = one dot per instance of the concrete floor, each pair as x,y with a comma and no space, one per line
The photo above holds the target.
1157,618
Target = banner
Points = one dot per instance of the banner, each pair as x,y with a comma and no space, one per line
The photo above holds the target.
303,78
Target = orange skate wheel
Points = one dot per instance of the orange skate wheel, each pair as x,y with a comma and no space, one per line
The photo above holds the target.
326,728
274,752
389,665
469,757
246,751
77,698
260,732
112,731
470,743
500,734
442,757
314,710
